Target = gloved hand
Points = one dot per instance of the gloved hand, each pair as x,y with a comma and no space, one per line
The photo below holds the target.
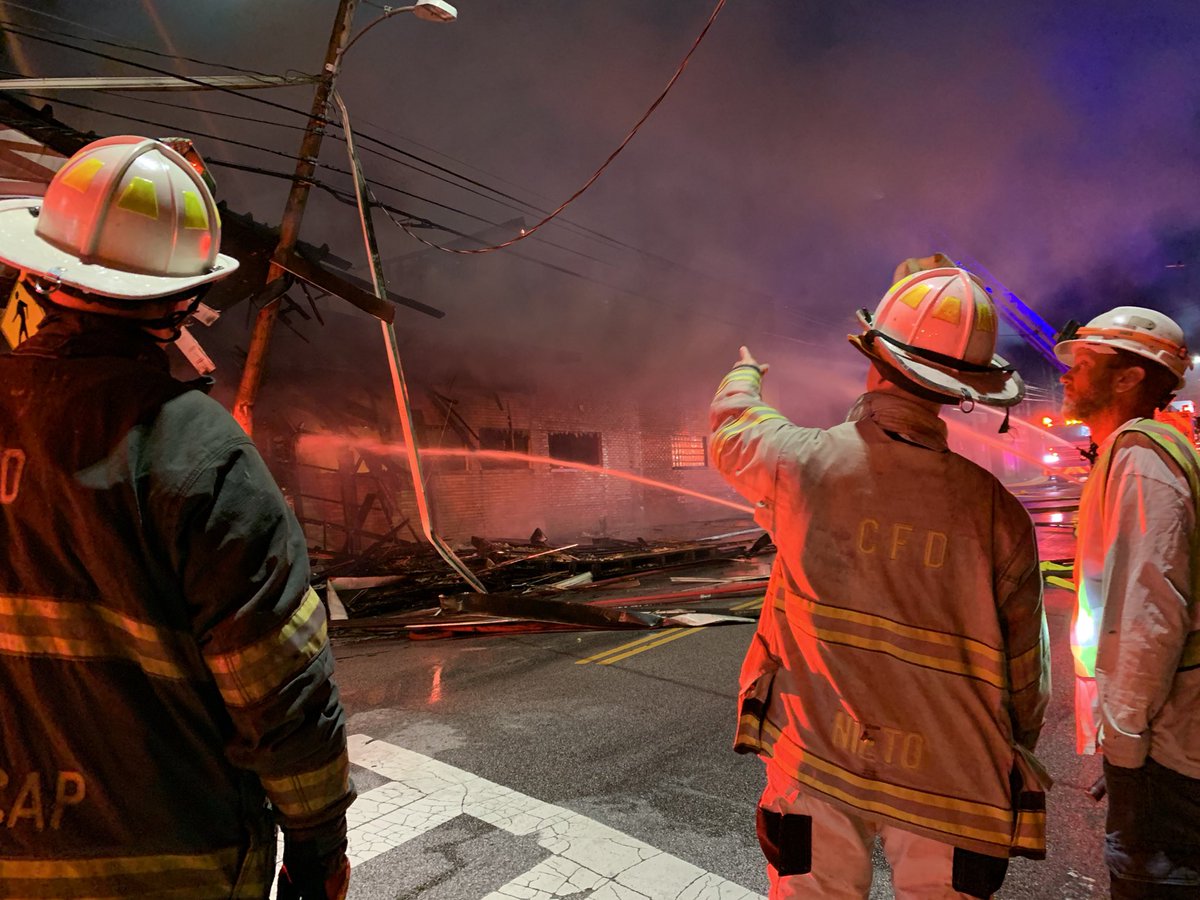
307,875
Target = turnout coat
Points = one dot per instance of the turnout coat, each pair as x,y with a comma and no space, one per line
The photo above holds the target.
900,669
167,690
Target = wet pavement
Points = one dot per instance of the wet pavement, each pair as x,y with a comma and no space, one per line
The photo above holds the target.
597,764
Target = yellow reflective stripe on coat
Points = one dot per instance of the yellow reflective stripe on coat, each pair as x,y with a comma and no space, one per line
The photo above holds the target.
1025,669
743,374
951,816
747,418
296,796
939,650
201,876
75,630
249,674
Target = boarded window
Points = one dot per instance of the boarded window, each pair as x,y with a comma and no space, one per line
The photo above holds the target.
688,451
576,446
507,439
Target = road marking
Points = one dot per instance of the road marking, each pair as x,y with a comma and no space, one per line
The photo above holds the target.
681,633
649,642
603,653
585,855
756,603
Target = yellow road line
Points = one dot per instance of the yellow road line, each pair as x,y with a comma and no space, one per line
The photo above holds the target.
653,636
682,632
648,642
652,640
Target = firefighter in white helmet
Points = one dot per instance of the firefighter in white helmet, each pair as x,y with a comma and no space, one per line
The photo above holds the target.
898,679
168,692
1136,629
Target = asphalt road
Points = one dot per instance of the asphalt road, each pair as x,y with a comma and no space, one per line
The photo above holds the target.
598,764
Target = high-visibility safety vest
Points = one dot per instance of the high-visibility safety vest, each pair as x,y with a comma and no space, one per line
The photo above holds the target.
1085,622
900,669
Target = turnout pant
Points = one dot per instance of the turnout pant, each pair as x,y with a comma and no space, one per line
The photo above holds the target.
816,850
1152,844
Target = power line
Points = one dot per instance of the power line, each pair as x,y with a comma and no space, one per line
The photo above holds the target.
335,169
123,45
526,232
18,30
522,204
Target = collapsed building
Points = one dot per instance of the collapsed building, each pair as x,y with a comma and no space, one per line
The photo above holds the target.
538,428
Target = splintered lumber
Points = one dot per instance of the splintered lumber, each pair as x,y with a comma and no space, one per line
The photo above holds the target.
543,610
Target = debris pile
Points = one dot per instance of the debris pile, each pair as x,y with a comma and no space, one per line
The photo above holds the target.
401,587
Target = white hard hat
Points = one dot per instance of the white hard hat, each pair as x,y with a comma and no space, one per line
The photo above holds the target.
934,332
1145,332
125,217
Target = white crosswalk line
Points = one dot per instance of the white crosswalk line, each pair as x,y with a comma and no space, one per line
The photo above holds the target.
585,854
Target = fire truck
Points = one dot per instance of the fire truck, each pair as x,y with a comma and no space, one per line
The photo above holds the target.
1181,415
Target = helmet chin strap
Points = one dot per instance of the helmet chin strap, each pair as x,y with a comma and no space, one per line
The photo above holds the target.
171,323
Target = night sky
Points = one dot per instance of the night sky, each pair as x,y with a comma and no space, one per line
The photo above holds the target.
807,149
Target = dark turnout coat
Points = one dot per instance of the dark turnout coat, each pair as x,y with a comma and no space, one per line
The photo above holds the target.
166,676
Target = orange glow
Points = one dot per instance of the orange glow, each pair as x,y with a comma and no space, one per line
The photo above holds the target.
962,430
435,686
1047,421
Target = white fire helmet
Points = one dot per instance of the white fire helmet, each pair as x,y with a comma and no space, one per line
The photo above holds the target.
1144,332
126,218
934,334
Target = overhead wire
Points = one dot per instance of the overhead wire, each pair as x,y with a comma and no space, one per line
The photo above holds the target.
20,30
292,158
17,30
527,232
125,45
522,204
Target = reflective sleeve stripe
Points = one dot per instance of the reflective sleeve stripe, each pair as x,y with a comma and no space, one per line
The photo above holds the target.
247,675
1029,838
69,629
741,376
1025,669
948,815
200,876
939,650
298,796
748,418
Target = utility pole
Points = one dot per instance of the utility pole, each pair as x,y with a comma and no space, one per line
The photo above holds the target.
289,226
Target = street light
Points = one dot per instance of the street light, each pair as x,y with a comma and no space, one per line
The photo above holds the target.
430,10
434,11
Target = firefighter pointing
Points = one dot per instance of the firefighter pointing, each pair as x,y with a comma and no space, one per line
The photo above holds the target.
168,692
898,680
1136,630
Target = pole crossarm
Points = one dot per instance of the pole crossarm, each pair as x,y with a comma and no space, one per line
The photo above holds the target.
157,83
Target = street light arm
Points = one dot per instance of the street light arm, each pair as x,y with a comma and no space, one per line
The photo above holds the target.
387,15
429,10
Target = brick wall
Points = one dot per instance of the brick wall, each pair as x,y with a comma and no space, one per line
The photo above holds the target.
354,478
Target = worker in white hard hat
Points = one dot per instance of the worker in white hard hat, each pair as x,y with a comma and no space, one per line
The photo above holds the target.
168,690
1136,629
898,679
